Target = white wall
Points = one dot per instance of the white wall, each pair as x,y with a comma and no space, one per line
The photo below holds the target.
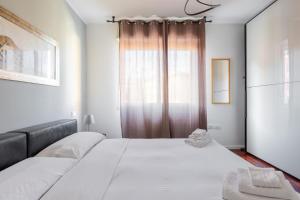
103,101
24,104
227,41
103,76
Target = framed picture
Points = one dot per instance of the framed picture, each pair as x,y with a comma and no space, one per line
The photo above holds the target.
26,54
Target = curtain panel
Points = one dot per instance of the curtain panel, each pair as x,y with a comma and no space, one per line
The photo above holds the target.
162,78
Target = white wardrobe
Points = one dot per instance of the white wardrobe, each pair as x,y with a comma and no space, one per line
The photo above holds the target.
273,86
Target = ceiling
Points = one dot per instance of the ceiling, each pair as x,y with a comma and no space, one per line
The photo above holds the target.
231,11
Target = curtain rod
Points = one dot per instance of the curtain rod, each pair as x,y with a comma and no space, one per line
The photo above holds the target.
113,20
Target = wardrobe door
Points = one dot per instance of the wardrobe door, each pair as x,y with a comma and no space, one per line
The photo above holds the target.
273,86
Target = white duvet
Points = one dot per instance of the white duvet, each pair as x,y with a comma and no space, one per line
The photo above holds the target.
158,169
32,178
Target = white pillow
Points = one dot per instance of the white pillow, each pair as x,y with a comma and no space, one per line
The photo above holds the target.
73,146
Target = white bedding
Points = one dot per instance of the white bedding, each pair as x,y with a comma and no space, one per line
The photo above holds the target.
73,146
158,169
31,178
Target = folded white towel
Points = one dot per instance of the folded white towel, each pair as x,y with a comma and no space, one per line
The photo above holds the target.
194,137
199,134
285,192
231,190
264,177
198,130
198,143
199,138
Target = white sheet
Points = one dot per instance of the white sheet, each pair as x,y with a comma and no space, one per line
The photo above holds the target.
31,178
90,178
158,169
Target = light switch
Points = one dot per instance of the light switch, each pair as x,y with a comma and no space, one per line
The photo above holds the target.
213,126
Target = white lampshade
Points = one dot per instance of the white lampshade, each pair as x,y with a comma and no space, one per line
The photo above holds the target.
89,119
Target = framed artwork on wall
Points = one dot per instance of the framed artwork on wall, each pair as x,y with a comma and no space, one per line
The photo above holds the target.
26,54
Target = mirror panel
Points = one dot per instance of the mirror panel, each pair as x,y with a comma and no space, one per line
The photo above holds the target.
220,71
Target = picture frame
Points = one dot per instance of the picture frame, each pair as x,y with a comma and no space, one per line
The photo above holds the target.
26,53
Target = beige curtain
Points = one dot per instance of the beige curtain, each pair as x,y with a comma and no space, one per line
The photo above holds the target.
186,73
143,113
162,78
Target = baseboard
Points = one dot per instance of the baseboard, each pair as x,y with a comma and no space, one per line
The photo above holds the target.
235,146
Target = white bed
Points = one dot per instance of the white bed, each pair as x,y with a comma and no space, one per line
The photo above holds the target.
33,177
156,169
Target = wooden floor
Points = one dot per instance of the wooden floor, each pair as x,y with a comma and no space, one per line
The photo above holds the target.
260,163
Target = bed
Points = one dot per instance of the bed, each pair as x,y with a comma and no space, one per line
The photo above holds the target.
114,169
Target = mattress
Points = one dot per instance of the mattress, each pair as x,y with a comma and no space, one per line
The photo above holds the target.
156,169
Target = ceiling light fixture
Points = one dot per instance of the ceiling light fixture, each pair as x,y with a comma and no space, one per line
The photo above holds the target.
210,7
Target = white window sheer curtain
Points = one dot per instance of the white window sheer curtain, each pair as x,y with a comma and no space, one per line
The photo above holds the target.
162,79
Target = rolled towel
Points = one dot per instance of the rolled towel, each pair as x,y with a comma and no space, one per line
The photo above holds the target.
286,191
198,138
198,130
198,143
203,137
264,177
231,190
199,134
